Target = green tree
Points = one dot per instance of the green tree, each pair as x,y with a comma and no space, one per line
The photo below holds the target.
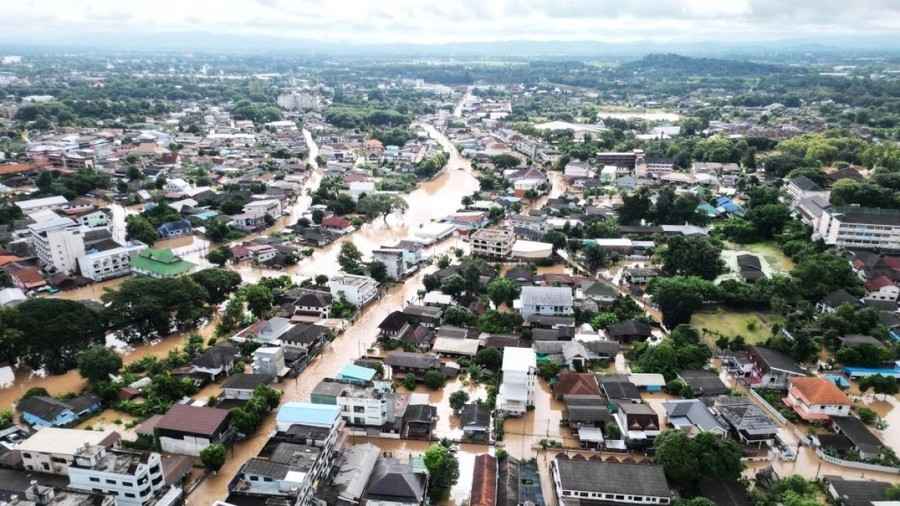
603,320
97,363
220,256
769,219
259,299
679,297
138,228
433,379
213,456
218,283
378,271
502,290
443,471
409,382
458,399
489,358
350,259
594,256
53,332
692,256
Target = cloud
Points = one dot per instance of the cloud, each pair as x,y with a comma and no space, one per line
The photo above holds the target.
431,21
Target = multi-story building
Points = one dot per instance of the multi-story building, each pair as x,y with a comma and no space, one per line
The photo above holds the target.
133,478
110,260
860,227
360,405
398,261
816,399
46,203
519,371
52,450
270,360
492,242
357,290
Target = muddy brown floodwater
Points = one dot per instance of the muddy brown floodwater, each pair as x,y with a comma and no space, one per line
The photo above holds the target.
433,199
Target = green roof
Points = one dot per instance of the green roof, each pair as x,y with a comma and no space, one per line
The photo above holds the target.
160,262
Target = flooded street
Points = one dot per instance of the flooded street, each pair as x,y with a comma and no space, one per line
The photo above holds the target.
453,185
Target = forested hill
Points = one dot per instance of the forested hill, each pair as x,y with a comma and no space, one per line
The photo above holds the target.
669,64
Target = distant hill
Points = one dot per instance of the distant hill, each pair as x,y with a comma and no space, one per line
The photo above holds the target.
667,64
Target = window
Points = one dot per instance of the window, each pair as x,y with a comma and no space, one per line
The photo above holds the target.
111,482
127,484
254,478
95,479
129,494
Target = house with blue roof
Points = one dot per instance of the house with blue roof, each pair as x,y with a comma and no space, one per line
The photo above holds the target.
707,210
352,373
725,205
175,229
307,413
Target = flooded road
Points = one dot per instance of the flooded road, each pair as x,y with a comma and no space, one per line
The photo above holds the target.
424,205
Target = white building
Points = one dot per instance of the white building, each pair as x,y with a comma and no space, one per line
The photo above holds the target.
109,263
178,185
52,450
272,207
370,406
860,227
299,100
133,478
357,290
545,301
519,371
492,242
269,360
399,262
358,188
46,203
58,244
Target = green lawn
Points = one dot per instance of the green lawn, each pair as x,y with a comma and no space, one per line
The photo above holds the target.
768,250
755,326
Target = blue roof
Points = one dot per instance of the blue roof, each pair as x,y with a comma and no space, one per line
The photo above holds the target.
355,372
857,372
307,413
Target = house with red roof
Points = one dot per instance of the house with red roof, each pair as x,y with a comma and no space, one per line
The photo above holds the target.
484,481
882,288
575,383
816,399
337,224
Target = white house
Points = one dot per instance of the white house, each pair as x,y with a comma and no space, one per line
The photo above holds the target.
517,390
271,207
358,188
816,399
132,477
545,301
357,290
109,263
882,288
52,450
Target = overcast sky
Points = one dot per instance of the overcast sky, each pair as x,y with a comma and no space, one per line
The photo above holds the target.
443,21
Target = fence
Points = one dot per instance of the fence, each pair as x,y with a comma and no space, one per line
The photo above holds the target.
856,465
771,409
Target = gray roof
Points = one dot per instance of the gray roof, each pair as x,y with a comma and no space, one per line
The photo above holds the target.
774,359
703,383
356,467
695,412
744,416
243,381
395,480
607,477
263,467
546,296
858,434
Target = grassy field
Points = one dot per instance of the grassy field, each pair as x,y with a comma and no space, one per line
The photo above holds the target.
755,326
768,250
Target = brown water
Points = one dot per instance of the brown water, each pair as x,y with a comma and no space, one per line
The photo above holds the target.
452,185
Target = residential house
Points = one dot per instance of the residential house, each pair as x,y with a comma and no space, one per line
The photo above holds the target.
174,229
618,387
241,386
747,421
750,268
188,430
43,411
802,187
397,483
417,364
629,331
475,419
484,481
337,224
269,360
357,290
52,450
419,421
882,288
692,415
703,383
608,483
519,371
866,444
267,332
850,492
638,423
545,301
772,369
134,478
836,299
309,305
398,262
816,398
215,362
647,382
354,468
573,383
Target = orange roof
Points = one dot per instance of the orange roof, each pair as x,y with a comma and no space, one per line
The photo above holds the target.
8,259
484,481
16,168
819,391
